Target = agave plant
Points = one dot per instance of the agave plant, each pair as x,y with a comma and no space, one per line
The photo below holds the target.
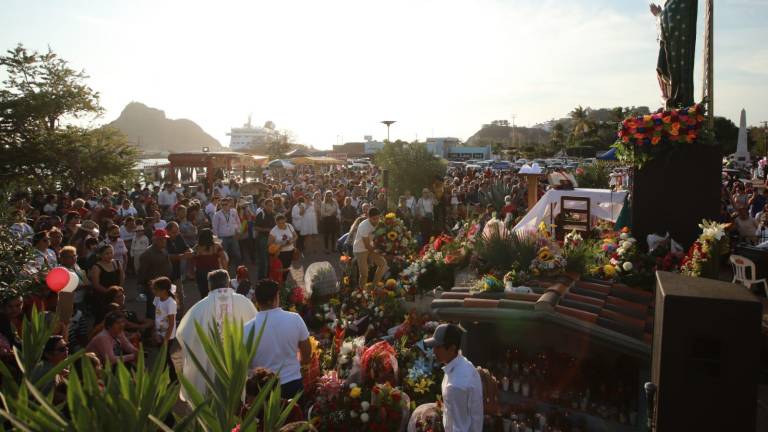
494,196
502,251
139,400
230,356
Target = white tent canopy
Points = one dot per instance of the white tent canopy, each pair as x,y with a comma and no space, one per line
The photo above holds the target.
605,204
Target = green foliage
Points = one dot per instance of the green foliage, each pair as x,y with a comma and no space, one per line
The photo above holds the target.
230,358
594,176
15,275
579,258
411,167
502,251
42,92
140,400
496,195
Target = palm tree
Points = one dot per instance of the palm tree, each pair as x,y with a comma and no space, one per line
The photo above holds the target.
582,124
557,136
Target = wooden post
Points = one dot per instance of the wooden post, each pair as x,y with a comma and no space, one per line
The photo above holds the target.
533,188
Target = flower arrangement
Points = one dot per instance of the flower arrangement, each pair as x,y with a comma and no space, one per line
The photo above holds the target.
618,258
643,137
387,407
392,238
489,283
548,262
516,277
701,259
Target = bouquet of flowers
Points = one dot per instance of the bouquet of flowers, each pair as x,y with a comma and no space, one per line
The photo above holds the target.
702,257
548,262
392,239
388,405
489,283
620,259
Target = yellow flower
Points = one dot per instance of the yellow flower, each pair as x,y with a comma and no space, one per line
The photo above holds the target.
392,235
609,270
390,215
355,393
391,294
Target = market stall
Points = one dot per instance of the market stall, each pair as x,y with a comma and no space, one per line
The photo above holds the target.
211,162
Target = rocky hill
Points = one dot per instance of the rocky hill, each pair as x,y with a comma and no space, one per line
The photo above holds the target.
153,132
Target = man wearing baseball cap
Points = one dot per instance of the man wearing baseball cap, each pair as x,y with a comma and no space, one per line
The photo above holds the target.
462,389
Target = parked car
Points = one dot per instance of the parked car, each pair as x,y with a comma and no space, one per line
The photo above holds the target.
501,165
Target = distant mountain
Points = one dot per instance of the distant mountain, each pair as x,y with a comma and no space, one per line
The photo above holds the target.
153,132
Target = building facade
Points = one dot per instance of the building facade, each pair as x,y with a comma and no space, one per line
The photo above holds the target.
451,149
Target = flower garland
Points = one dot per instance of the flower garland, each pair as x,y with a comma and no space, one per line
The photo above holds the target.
642,138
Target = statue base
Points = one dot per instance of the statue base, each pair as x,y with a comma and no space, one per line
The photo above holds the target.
675,192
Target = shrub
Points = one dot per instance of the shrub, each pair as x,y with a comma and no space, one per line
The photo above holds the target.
501,251
594,176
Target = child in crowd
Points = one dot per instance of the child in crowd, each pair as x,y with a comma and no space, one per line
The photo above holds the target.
165,318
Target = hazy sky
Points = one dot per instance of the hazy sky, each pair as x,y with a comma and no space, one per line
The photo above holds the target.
331,70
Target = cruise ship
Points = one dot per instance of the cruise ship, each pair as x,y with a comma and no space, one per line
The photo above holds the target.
251,136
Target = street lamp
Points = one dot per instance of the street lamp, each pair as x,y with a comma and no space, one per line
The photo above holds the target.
388,123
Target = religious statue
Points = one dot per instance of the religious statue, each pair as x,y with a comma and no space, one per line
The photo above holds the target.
676,22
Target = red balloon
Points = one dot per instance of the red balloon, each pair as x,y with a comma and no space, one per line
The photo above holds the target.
57,279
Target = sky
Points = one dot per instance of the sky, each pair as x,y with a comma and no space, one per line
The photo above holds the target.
330,71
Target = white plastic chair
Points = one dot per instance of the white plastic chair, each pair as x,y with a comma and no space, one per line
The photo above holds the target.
743,266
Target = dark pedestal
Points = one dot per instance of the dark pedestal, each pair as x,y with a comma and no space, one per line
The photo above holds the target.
675,192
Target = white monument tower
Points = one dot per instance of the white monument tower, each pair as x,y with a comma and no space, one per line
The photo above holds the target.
741,156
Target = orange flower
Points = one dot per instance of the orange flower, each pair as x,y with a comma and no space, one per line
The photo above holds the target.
625,138
655,140
676,126
647,118
690,138
666,119
674,132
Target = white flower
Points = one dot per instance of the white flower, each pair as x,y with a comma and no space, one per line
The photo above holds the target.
626,244
627,266
364,405
620,251
614,261
624,236
352,385
353,414
364,417
381,314
343,360
346,348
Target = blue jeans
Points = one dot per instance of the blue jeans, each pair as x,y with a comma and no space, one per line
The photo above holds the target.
232,248
262,257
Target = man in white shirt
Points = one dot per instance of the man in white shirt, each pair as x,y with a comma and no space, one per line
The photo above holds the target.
285,335
166,199
212,206
364,252
225,225
462,389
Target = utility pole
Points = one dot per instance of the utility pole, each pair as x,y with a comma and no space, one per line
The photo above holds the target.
514,131
765,136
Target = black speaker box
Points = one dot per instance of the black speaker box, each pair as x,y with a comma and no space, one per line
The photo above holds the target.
706,355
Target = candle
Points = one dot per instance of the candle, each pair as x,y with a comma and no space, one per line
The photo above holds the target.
505,383
516,385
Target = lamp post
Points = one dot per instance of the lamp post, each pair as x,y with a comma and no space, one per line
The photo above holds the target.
388,123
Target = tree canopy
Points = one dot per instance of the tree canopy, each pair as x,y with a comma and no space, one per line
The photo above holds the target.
411,167
44,104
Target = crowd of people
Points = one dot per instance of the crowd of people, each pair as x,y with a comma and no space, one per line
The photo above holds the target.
163,238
